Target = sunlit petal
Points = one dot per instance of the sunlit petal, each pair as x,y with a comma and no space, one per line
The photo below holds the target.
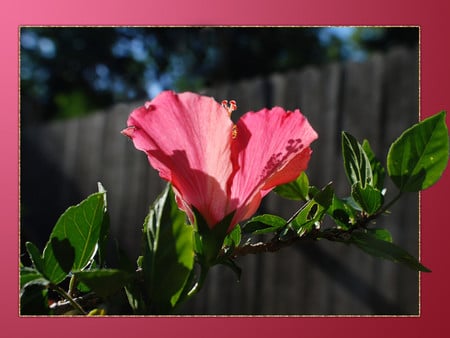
187,139
271,148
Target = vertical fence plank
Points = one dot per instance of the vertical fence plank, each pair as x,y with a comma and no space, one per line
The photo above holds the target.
359,115
401,111
47,184
87,167
320,100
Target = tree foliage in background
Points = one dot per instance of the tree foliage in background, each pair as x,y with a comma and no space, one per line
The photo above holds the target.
71,71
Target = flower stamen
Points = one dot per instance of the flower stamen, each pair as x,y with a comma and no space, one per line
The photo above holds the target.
231,107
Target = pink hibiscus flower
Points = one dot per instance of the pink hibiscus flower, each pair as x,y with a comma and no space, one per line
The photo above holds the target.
213,165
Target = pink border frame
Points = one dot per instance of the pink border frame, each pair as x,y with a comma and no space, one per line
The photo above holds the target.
435,89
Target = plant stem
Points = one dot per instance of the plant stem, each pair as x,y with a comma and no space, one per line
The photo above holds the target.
72,285
64,294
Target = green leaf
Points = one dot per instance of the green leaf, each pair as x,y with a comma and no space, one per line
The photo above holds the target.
369,198
135,298
307,217
34,300
342,213
352,203
325,196
83,288
378,171
233,238
134,290
104,282
168,256
417,159
381,234
28,275
356,163
262,224
73,241
35,256
295,190
209,241
311,213
377,247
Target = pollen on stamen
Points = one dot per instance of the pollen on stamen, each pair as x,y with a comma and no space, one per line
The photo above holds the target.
234,132
231,107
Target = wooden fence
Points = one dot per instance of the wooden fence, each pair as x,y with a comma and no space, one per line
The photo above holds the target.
62,162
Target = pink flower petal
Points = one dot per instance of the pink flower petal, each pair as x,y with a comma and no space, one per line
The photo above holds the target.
215,167
187,139
271,148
